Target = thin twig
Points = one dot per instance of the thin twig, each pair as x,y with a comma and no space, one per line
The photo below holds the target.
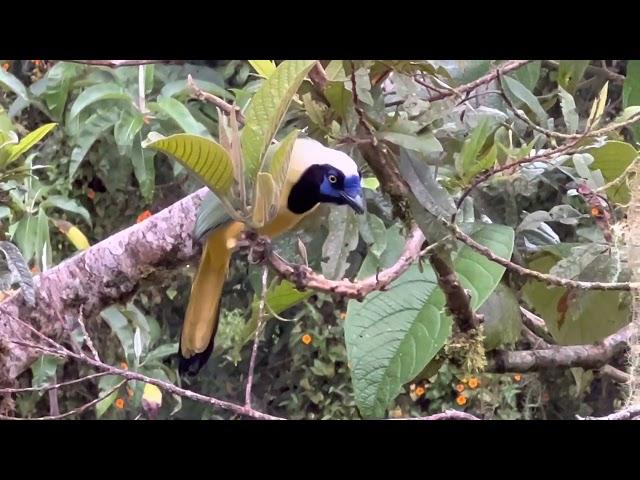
120,63
481,81
87,338
536,325
543,277
75,411
57,385
256,339
217,101
446,415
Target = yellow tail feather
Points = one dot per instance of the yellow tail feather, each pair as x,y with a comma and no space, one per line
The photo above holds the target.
201,319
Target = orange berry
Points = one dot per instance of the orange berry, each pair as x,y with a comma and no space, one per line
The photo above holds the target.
460,388
143,216
517,377
91,194
119,403
461,400
342,315
37,63
306,339
420,391
597,212
474,383
124,366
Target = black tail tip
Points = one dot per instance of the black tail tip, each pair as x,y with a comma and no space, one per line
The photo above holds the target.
192,365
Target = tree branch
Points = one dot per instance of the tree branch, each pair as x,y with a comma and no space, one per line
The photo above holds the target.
107,273
585,356
304,277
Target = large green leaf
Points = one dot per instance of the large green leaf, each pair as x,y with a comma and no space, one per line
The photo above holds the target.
128,126
96,93
570,72
391,336
267,109
181,115
143,168
265,68
502,321
67,204
577,317
631,91
340,242
426,143
521,95
612,159
569,112
11,82
204,157
27,142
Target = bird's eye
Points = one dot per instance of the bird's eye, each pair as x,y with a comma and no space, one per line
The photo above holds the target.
333,178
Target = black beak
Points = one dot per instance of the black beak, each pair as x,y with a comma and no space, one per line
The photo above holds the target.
356,202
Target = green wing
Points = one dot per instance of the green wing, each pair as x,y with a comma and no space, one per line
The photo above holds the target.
211,215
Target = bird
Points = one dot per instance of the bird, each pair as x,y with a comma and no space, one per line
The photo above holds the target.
316,175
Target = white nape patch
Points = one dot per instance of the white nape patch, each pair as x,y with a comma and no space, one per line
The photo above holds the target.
307,152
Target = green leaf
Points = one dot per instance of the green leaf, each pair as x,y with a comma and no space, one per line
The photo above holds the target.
11,82
58,83
522,94
43,243
93,128
284,295
631,87
374,233
528,74
69,205
502,321
27,142
569,112
265,68
472,148
372,183
96,93
120,326
424,186
570,72
426,143
391,336
181,115
267,109
19,271
340,242
181,87
160,353
612,159
279,164
205,158
44,371
576,317
128,126
104,385
143,168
